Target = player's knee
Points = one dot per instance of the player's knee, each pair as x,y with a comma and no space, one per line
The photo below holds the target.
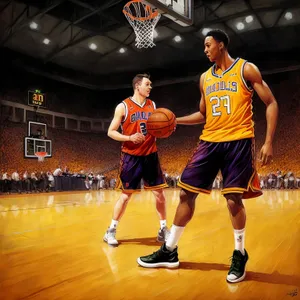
234,203
159,196
125,197
186,196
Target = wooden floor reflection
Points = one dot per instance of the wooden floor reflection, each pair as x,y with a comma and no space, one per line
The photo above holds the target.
51,248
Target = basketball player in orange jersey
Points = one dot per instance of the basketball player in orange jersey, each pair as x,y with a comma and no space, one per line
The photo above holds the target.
226,144
139,159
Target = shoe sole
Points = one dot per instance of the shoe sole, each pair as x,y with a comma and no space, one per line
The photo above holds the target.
105,240
158,265
237,279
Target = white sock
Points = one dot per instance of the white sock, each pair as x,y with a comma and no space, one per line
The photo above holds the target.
113,224
239,240
163,223
175,234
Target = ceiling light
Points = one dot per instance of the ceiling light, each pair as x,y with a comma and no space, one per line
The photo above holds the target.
33,25
46,41
205,31
93,46
240,26
122,50
249,19
177,38
288,15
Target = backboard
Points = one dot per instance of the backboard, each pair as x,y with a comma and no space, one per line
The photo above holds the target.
33,145
179,11
36,140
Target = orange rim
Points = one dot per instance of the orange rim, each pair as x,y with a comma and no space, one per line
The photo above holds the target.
148,9
40,154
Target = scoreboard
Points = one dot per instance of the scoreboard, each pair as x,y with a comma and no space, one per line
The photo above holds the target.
36,98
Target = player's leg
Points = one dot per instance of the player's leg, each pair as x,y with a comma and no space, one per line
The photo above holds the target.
238,174
129,181
160,204
154,180
237,213
198,176
120,207
119,210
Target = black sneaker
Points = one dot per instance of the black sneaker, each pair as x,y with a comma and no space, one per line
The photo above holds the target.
161,258
237,271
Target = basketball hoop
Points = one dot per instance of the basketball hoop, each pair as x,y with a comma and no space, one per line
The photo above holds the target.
40,155
143,19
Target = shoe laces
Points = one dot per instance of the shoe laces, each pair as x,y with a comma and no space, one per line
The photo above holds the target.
235,262
157,253
111,233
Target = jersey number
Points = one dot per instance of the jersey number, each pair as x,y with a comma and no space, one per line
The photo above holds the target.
224,100
143,128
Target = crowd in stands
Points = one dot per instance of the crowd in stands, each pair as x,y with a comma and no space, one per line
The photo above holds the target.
96,153
37,182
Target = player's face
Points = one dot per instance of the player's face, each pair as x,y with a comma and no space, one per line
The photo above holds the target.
144,88
211,48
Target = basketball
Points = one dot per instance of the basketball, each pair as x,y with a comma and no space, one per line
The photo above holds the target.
161,123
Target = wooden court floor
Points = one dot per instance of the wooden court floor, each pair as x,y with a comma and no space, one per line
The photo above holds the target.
51,248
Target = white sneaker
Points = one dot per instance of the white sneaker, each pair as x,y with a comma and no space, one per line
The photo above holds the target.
163,234
110,237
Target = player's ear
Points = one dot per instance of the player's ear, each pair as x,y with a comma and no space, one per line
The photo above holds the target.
221,46
137,85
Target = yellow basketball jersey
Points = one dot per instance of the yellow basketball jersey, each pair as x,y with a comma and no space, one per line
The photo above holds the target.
228,102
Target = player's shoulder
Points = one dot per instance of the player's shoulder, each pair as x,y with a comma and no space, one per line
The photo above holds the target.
248,64
121,107
126,100
251,72
206,74
125,103
250,68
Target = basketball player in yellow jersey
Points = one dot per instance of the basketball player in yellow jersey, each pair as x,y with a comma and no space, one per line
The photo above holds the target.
139,158
226,144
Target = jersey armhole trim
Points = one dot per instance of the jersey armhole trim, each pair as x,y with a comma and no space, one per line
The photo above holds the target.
126,112
243,79
154,105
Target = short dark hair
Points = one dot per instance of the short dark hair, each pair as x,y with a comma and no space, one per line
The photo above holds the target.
138,78
220,36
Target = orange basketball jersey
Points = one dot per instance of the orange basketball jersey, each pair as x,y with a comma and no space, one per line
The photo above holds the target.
135,120
228,102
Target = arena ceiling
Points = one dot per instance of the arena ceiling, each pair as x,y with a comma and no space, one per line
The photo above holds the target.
58,46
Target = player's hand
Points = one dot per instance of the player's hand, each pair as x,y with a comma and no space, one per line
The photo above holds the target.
175,124
266,153
137,138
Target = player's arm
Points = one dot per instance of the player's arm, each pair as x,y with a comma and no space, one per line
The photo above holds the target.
252,74
115,124
199,116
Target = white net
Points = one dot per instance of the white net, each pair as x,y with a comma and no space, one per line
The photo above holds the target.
41,158
143,20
